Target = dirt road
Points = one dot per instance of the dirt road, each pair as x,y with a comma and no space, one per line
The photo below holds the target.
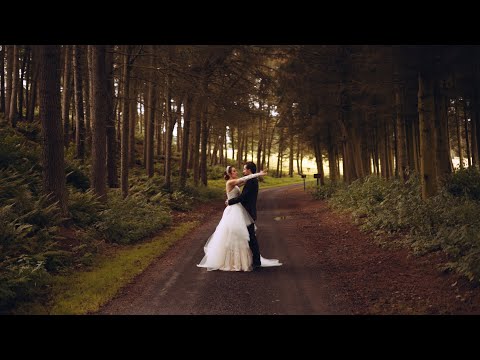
329,267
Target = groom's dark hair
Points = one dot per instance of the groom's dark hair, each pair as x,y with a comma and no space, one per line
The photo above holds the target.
250,165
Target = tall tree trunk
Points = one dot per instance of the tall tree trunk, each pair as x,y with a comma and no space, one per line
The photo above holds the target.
476,120
179,125
196,147
297,157
411,123
401,140
8,88
86,96
365,151
34,87
52,135
79,116
476,107
99,121
232,134
270,142
260,135
253,152
474,142
280,153
186,138
426,110
214,156
226,148
221,158
203,153
290,157
124,151
381,148
209,146
119,102
388,148
332,164
444,163
459,137
169,136
159,125
22,77
28,72
132,100
66,94
467,138
2,79
112,171
12,117
152,95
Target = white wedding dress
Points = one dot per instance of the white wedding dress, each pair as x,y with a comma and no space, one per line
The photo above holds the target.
227,248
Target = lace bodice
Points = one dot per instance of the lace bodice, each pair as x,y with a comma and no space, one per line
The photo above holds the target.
235,192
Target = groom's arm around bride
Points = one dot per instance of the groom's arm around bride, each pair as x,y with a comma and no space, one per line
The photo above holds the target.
248,198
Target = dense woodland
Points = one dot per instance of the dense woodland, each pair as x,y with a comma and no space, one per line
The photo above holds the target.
101,113
388,110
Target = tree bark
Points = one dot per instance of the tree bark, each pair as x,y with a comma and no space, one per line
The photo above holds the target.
290,155
203,153
86,96
79,111
52,135
8,88
467,137
2,79
332,163
186,138
132,100
66,91
124,151
12,117
34,85
169,134
28,72
152,95
159,126
196,147
112,171
459,137
444,162
99,121
401,139
22,77
426,111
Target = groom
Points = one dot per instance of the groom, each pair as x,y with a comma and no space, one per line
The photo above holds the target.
248,198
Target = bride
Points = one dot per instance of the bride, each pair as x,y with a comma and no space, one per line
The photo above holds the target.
227,248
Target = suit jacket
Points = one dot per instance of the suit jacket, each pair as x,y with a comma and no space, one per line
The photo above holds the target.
248,198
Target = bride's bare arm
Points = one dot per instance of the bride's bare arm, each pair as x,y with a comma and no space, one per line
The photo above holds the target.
244,179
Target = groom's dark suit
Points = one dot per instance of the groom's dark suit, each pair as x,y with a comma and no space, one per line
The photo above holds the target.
248,198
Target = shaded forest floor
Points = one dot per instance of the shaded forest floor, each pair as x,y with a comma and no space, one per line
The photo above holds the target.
369,279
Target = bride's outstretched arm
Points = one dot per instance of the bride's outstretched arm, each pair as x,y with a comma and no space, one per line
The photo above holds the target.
244,179
247,190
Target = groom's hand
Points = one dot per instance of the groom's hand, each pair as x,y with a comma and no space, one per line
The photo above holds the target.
226,202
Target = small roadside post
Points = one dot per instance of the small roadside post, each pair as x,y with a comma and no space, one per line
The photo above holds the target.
317,176
303,177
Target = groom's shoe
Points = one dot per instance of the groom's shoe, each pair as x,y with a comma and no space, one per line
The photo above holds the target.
257,267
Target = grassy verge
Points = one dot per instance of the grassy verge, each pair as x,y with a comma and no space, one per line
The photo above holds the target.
85,292
268,182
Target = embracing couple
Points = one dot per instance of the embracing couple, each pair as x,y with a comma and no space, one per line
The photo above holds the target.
234,246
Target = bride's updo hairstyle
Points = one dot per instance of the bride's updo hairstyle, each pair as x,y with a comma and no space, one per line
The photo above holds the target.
227,172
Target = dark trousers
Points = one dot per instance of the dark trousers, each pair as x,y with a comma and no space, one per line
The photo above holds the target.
254,245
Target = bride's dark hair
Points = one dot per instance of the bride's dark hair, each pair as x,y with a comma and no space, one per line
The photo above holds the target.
227,172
